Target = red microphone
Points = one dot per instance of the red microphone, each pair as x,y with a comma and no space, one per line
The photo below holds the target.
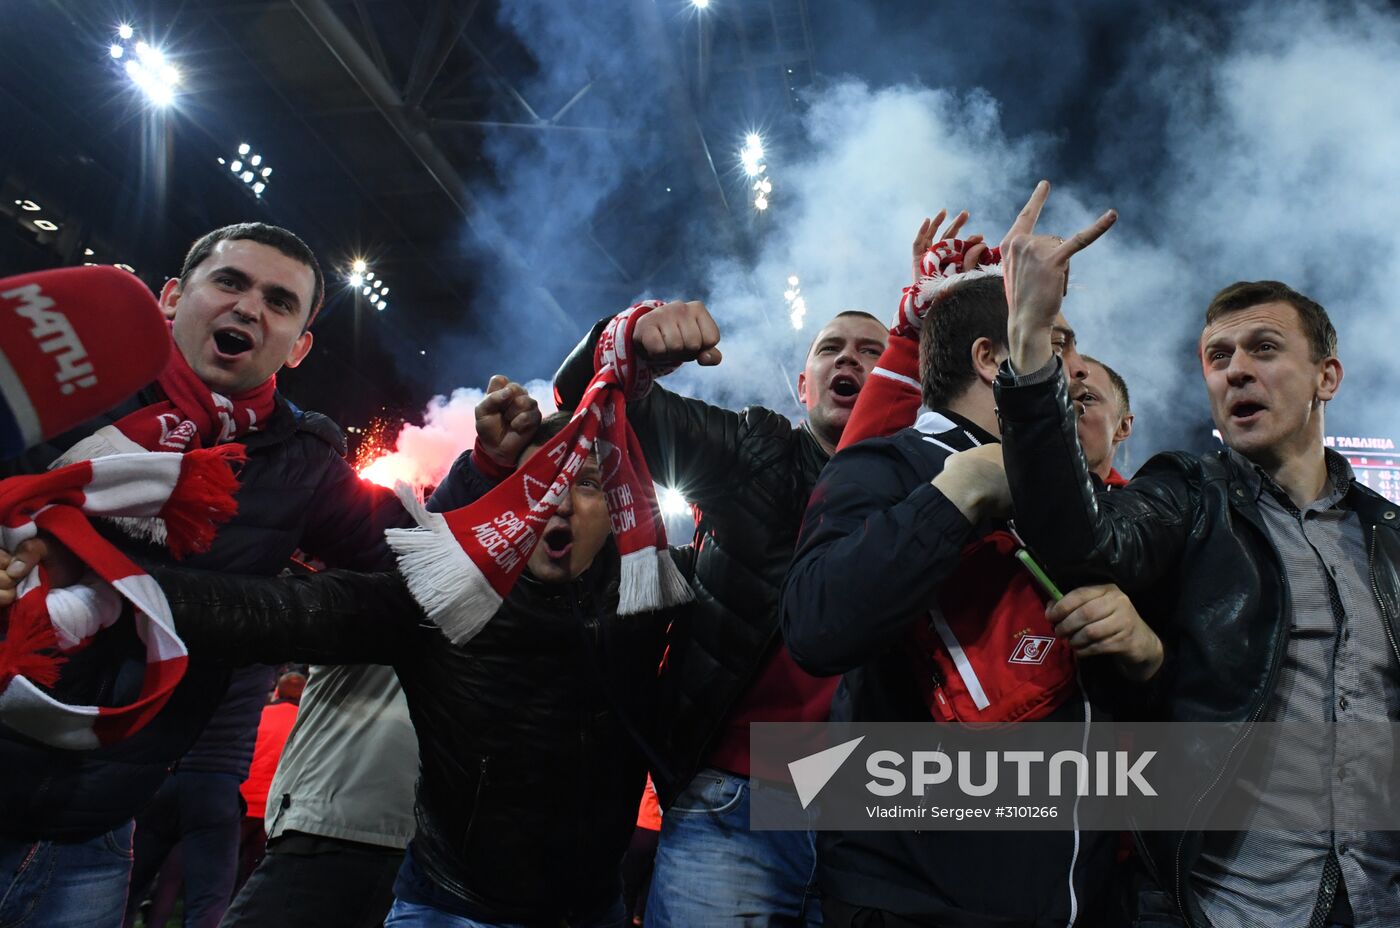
74,342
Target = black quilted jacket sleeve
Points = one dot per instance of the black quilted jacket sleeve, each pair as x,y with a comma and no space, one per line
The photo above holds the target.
331,617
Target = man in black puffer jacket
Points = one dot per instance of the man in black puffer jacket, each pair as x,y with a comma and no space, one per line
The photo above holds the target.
749,475
66,816
529,733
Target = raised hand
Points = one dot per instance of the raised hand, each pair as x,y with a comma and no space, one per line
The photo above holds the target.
928,234
1101,620
1037,269
506,419
678,332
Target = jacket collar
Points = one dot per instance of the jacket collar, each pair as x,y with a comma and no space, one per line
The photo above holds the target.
1340,478
937,421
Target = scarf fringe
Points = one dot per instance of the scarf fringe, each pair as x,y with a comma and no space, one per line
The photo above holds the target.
152,530
674,588
30,648
443,580
202,500
650,581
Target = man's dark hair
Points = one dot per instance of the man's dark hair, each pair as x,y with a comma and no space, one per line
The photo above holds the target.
1322,337
1120,386
841,315
550,426
274,237
972,310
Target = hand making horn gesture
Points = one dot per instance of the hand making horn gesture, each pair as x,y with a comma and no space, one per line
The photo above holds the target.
1037,268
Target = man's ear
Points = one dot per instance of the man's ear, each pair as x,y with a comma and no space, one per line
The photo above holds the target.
802,388
1330,379
1125,428
986,358
300,348
169,296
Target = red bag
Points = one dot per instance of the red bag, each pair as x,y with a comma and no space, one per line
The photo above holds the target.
988,654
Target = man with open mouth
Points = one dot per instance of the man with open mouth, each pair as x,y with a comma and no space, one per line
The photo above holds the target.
241,309
748,474
1283,575
529,730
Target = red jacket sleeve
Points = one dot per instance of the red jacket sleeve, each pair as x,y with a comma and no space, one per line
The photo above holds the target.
891,397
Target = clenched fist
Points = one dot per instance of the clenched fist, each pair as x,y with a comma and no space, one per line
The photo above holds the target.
678,332
506,419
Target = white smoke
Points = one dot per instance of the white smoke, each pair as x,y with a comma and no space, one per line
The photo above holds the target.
423,454
1278,160
1281,163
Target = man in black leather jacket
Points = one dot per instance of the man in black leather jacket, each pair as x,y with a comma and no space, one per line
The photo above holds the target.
532,763
1282,571
748,474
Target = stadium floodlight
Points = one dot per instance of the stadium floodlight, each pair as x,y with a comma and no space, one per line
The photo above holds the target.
381,305
760,202
48,225
796,302
365,291
384,292
359,266
700,4
156,90
672,502
356,280
248,167
149,70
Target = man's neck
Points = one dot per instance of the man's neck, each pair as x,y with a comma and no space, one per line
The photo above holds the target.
1302,476
829,446
978,405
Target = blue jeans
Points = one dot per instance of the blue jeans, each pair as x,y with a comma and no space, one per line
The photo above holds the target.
413,915
56,884
712,870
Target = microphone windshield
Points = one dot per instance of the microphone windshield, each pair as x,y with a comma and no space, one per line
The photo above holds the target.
74,342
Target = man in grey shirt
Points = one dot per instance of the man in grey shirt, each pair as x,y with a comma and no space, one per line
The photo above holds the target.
340,809
1282,574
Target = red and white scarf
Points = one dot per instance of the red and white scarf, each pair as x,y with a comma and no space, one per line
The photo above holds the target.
939,270
188,416
158,475
461,565
189,494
